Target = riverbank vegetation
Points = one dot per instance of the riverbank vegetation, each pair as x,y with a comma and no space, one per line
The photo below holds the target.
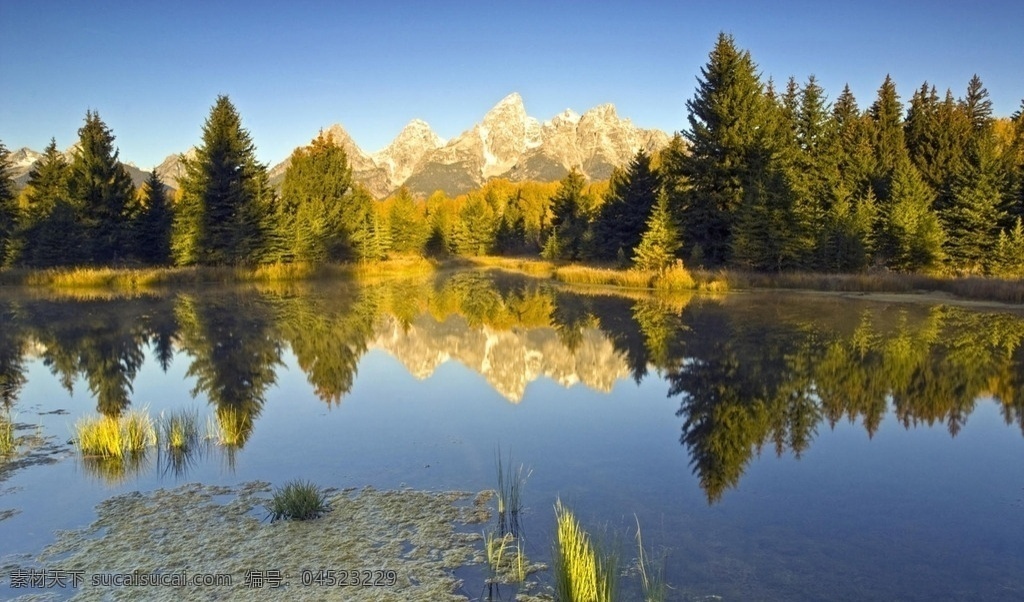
763,179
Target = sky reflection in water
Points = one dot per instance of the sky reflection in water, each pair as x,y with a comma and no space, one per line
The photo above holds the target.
777,446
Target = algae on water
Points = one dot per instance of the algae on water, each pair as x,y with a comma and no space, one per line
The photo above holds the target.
215,529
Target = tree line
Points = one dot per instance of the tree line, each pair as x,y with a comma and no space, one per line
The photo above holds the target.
761,179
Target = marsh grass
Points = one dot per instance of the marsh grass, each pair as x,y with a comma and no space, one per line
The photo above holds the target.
115,437
505,558
178,430
179,440
510,485
8,444
230,428
297,500
582,572
652,573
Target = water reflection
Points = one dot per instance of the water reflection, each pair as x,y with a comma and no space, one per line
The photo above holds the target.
749,372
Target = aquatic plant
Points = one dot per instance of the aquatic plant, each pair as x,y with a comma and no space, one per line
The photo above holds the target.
231,427
178,430
582,573
297,500
505,558
652,577
510,504
115,437
7,442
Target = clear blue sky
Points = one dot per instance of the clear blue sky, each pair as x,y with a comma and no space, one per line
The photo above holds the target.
153,69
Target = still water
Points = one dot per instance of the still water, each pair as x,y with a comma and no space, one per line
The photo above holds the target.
772,446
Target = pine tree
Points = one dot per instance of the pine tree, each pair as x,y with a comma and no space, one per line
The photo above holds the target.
887,138
370,235
317,205
409,229
102,191
225,198
976,209
570,207
477,227
50,233
851,144
911,234
622,218
9,215
154,223
1009,259
659,244
724,117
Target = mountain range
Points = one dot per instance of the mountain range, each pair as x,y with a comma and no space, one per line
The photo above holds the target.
506,143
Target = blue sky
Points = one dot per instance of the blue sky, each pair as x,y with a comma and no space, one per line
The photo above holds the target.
153,69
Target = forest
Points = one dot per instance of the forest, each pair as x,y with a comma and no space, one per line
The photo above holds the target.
763,177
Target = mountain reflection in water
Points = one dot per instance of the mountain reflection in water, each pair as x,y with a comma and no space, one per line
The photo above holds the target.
749,372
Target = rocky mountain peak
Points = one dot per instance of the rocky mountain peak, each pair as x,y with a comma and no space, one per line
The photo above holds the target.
405,153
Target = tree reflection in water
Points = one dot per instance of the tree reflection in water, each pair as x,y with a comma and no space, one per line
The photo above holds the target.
749,371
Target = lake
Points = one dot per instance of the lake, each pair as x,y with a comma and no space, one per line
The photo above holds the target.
772,446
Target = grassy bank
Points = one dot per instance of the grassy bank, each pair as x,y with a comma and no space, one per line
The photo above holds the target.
679,278
132,279
675,278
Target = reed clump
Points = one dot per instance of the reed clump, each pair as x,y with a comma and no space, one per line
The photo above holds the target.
652,574
178,430
120,437
297,500
510,486
505,558
7,441
582,573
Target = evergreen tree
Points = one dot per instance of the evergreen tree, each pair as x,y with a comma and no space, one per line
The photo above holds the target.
50,233
622,218
317,205
911,235
225,198
371,235
570,207
846,241
477,227
102,191
409,229
724,117
9,217
977,105
976,211
659,244
1009,259
851,144
154,223
887,138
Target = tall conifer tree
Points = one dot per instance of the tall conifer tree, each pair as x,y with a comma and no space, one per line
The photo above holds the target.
225,198
318,208
631,196
154,223
102,191
9,217
50,232
725,115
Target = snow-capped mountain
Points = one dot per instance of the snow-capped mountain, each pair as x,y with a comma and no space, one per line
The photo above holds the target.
506,143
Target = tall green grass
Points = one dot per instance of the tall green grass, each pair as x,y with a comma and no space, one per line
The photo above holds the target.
297,500
510,485
115,437
582,573
7,441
